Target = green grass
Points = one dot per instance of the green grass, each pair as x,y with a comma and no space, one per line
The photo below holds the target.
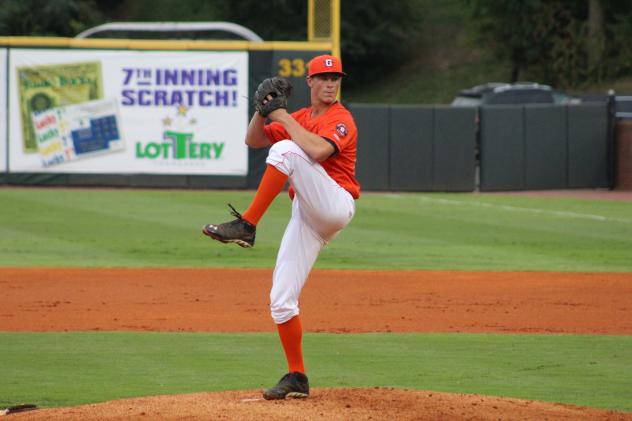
62,369
161,228
133,228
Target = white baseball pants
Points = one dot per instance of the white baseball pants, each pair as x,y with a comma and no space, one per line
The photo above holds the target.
320,209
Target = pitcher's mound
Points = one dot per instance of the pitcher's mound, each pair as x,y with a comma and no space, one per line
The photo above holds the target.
325,404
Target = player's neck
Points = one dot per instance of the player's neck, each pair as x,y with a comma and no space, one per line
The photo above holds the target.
319,108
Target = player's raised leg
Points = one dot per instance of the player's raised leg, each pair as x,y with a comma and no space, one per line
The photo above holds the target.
325,206
242,230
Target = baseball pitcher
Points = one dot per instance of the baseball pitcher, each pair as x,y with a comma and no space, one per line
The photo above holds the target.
315,149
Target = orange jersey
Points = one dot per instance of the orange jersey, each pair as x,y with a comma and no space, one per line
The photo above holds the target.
337,126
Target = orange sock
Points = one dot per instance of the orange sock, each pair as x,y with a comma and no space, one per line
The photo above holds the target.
291,334
270,186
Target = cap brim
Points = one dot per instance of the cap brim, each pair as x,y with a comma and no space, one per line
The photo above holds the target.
320,73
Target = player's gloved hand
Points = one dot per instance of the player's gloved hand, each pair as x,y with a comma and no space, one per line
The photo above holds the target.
271,95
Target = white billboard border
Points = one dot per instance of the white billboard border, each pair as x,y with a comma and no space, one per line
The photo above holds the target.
4,111
15,128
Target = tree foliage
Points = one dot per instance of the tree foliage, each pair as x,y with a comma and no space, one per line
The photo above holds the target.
375,34
63,18
556,41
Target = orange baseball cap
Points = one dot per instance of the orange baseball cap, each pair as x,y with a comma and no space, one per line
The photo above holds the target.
325,64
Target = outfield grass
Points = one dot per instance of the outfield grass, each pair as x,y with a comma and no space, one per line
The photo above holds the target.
61,369
161,228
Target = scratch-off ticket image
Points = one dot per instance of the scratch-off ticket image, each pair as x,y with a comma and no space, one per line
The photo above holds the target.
73,132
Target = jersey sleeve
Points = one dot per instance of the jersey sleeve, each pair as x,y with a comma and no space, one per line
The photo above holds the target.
339,128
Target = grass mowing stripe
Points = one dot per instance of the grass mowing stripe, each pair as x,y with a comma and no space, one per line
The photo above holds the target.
60,369
563,214
135,228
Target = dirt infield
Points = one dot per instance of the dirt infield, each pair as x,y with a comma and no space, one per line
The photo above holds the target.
235,300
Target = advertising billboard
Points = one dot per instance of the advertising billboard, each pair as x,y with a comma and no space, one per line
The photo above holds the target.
128,112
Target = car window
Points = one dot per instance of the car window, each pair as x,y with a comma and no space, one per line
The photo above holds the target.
519,96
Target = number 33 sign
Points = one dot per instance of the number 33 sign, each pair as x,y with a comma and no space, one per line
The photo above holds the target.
291,67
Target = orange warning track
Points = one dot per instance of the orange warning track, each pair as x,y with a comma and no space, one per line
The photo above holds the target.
236,300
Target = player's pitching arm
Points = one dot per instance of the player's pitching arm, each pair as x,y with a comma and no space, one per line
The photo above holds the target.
314,146
255,135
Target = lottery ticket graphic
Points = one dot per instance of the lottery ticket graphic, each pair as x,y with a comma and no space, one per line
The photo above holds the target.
45,87
73,132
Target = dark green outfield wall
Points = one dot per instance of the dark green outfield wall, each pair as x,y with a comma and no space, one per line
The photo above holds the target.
430,148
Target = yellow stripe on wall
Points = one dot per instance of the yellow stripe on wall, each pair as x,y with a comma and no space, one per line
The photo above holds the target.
140,44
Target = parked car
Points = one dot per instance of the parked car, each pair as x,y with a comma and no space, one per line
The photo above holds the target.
622,103
511,93
623,107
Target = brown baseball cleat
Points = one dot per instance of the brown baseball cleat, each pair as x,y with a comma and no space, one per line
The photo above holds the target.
292,385
237,231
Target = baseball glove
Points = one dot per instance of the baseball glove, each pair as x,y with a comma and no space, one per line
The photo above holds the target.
278,88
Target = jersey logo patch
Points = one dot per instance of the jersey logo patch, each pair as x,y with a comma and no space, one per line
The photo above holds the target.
341,129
